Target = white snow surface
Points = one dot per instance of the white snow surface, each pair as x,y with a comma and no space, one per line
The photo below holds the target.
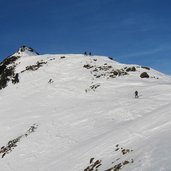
75,125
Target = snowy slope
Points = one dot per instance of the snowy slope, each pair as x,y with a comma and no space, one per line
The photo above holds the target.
68,109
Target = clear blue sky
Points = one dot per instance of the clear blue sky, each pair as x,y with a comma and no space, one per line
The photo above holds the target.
130,31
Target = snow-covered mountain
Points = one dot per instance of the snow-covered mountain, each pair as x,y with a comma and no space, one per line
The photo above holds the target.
25,51
78,113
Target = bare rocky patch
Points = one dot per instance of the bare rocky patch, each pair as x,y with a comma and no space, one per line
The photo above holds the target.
117,164
7,71
145,67
34,67
94,165
105,71
13,143
144,75
92,88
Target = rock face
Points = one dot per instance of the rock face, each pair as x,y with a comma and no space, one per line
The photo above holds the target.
8,65
7,71
26,51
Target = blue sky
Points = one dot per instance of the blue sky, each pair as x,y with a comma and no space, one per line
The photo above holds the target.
130,31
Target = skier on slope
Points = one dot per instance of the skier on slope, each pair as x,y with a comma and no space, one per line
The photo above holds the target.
136,94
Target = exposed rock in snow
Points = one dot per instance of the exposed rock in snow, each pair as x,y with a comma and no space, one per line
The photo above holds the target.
25,51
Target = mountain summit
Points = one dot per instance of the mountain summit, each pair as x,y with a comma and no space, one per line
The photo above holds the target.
75,112
25,51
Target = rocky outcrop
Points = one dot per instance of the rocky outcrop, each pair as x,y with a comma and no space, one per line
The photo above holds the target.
144,75
7,71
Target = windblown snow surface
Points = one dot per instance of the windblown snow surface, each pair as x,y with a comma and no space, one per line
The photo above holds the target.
82,121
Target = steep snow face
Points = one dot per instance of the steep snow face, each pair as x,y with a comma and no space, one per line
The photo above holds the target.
78,113
25,51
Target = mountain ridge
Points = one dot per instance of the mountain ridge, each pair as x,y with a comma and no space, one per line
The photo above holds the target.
106,69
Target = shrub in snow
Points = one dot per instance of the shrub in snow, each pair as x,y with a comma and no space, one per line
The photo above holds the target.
144,75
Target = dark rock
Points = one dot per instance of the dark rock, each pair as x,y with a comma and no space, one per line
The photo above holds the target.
7,73
126,162
26,48
15,79
88,66
91,160
145,67
110,58
144,75
131,69
35,67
